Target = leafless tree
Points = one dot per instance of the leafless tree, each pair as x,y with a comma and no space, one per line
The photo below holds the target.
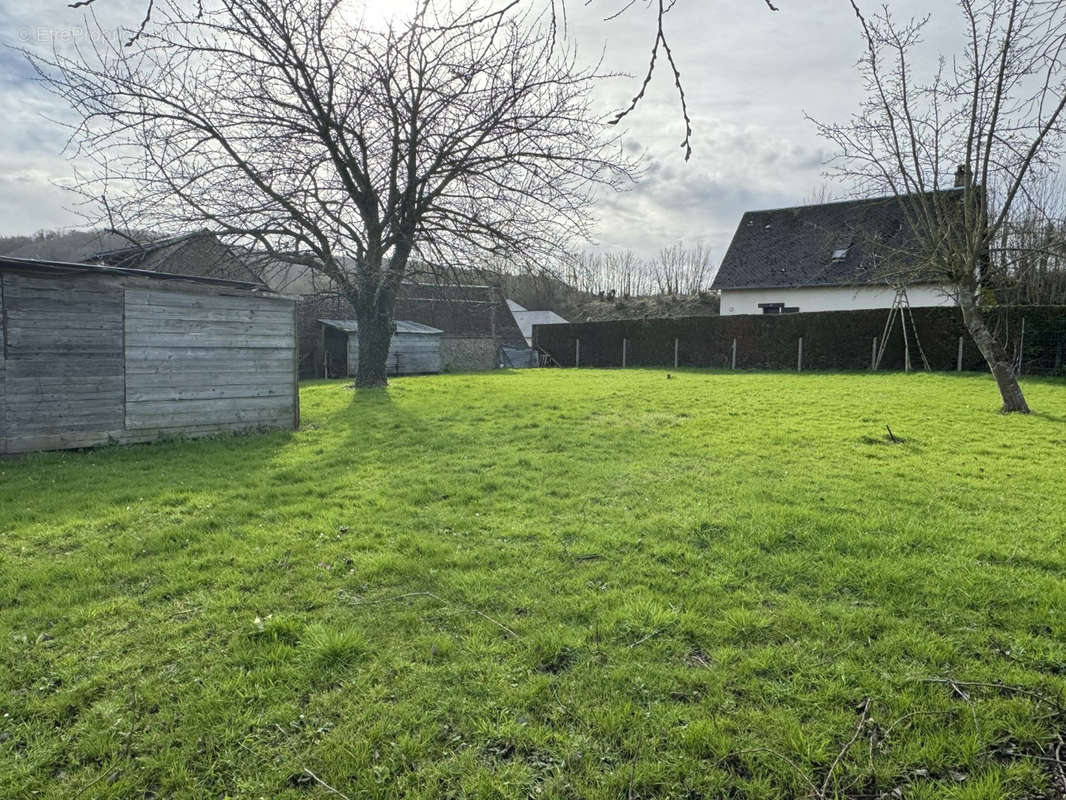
660,49
306,133
819,195
680,270
1029,261
988,119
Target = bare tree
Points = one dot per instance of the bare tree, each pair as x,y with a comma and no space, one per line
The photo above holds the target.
660,48
680,270
988,121
349,148
1029,261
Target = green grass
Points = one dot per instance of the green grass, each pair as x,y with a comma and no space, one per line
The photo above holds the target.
558,584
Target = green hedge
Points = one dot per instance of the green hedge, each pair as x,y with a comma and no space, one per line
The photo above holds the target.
832,340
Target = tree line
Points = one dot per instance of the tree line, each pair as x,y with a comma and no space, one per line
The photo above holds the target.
674,270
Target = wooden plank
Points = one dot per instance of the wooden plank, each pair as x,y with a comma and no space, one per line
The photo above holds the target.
58,427
79,367
174,299
200,431
192,378
62,340
89,384
202,370
72,308
61,441
150,317
184,327
52,321
61,295
220,341
158,421
62,411
219,355
267,316
208,405
17,283
59,395
171,393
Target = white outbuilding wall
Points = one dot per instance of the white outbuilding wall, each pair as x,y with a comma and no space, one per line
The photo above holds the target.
832,298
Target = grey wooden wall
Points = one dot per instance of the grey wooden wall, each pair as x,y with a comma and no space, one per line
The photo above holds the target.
199,362
91,359
63,354
413,353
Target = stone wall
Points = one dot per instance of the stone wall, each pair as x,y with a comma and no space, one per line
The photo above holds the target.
468,353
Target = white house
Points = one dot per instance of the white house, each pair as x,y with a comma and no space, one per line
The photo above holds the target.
827,257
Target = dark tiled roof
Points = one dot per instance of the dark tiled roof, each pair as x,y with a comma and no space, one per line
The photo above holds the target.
789,247
199,253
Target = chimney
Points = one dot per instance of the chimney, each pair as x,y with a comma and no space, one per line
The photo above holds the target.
962,176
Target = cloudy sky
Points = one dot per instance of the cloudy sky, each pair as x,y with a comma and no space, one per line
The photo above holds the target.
750,74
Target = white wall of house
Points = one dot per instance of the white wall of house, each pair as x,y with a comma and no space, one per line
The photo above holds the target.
832,298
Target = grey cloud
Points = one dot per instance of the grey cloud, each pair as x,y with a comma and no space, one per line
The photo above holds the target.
749,74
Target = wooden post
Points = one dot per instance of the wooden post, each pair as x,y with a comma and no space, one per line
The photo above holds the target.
958,360
322,344
873,355
1021,348
734,354
799,356
295,367
577,352
675,351
625,347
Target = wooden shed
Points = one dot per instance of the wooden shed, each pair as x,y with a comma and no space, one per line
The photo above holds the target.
414,349
92,355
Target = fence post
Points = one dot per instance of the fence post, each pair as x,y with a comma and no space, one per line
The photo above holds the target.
675,352
734,354
873,355
958,360
799,356
625,347
577,352
1021,348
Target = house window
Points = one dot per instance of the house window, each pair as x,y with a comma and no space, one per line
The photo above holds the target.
771,308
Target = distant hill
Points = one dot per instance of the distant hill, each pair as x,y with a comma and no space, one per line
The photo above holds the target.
9,243
72,246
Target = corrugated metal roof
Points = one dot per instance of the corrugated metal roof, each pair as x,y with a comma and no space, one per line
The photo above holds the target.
527,319
402,326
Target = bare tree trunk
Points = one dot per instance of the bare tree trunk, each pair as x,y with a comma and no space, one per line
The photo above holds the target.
995,354
376,326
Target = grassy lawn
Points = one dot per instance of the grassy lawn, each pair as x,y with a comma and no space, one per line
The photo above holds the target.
557,584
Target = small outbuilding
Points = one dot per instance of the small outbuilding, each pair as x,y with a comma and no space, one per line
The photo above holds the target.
414,349
96,354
